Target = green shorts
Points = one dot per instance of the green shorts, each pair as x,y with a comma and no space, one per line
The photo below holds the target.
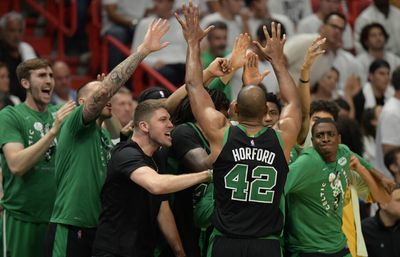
21,238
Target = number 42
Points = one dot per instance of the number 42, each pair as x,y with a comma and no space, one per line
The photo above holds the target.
260,187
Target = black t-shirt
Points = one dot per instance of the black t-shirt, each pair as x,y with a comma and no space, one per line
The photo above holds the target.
249,178
359,102
128,221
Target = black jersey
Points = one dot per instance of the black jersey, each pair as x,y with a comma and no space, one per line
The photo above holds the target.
249,178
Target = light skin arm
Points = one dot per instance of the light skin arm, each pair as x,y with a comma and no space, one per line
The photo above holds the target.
378,192
20,159
120,74
158,184
167,225
210,121
290,121
304,87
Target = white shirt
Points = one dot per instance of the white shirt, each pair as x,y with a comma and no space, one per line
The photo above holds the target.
174,53
26,50
387,131
127,8
294,9
235,26
370,100
312,23
391,25
365,60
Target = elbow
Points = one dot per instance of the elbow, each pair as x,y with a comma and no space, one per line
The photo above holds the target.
17,170
157,188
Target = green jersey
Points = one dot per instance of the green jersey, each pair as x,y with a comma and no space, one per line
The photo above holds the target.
81,164
29,197
315,192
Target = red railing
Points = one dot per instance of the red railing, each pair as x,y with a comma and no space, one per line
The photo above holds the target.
141,72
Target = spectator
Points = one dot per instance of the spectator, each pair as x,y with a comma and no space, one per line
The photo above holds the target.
373,39
170,62
377,91
294,9
325,88
230,14
13,50
5,87
120,18
63,91
332,29
217,42
313,22
261,12
381,12
123,106
369,123
382,232
392,163
387,136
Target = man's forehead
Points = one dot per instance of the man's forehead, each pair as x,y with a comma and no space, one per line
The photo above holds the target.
42,70
321,114
324,127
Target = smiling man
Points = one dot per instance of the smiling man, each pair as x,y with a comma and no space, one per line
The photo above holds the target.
28,144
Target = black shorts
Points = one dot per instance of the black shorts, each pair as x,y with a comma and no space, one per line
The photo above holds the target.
69,241
238,247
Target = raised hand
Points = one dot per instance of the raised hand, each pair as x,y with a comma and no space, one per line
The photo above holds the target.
101,77
191,25
251,75
314,50
63,112
127,129
155,32
219,67
238,57
273,50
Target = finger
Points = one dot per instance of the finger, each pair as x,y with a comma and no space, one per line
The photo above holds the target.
178,18
266,34
165,44
283,41
265,73
278,31
259,46
208,30
273,30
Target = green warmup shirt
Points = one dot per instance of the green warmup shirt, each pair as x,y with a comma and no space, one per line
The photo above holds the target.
81,164
315,192
30,197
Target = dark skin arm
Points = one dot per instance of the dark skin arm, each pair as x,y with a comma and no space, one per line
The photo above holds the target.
290,121
212,122
120,74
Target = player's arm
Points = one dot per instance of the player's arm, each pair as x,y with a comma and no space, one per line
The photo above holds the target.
304,86
20,159
166,222
211,121
158,184
120,74
376,189
290,121
197,159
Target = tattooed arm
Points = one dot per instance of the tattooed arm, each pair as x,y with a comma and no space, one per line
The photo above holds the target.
120,74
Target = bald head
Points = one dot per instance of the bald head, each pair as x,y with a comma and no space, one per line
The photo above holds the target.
88,89
251,102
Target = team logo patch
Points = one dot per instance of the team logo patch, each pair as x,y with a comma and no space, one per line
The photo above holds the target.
342,161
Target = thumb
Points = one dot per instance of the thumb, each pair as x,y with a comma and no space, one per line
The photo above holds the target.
265,73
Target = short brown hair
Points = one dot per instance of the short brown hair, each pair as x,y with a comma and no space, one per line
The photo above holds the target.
145,109
24,69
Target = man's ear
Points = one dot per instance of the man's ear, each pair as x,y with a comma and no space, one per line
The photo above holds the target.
25,83
144,126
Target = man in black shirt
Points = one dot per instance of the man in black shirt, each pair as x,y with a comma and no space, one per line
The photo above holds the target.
249,163
132,201
382,232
